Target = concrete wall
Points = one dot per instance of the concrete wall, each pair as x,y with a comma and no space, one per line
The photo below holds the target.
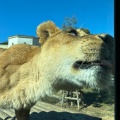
12,41
28,41
23,40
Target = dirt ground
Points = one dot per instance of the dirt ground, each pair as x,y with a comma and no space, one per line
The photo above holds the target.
106,112
94,103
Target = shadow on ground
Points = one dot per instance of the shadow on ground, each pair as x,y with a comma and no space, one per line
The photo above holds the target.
53,115
61,116
97,99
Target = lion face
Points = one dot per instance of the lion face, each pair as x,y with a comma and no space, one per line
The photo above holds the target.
70,59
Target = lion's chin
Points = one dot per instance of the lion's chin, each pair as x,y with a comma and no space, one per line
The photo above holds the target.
94,75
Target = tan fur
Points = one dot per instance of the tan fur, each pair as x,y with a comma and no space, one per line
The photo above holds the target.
30,73
2,50
46,30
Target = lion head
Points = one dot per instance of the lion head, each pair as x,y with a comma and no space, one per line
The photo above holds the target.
74,58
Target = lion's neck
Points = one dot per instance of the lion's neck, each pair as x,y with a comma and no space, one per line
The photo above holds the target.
40,84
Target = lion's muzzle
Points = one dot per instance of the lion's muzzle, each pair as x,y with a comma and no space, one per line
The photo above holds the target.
86,65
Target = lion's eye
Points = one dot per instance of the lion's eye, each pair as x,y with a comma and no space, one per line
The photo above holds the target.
73,32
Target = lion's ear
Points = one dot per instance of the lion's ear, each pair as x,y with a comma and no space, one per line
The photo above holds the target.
45,30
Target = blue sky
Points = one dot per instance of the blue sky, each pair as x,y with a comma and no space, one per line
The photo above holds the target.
23,16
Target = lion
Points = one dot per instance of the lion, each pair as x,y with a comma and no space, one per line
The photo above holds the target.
2,50
64,61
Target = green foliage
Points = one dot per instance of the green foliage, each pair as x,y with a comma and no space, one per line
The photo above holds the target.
92,96
69,23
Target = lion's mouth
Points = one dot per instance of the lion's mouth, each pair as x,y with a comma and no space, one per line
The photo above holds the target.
86,65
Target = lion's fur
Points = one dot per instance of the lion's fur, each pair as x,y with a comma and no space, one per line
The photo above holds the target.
2,50
29,73
45,30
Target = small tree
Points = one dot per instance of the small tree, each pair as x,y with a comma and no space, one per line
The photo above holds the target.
69,23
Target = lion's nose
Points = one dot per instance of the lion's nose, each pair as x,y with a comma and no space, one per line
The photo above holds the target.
91,47
95,49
